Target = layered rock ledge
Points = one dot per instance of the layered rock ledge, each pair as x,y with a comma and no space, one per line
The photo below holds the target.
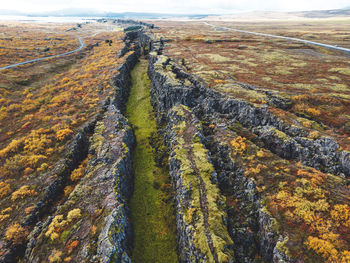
200,208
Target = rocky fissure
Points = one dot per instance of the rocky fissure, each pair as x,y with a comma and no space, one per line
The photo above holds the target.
201,186
200,213
169,87
152,211
98,229
122,209
256,237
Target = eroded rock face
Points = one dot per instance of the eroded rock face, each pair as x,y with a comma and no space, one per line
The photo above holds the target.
100,229
92,225
242,218
172,85
200,208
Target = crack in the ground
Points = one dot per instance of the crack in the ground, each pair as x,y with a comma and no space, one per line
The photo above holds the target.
202,190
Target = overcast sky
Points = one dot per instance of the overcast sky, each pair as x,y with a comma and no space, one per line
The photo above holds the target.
174,6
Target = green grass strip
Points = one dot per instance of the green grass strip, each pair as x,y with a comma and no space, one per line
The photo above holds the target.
153,218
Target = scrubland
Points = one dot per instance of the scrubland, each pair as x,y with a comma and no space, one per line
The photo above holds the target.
239,142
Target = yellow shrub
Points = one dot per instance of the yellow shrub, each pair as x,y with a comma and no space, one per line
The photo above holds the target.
261,153
55,256
323,247
22,192
43,167
16,233
4,217
239,144
313,111
68,189
341,215
11,148
58,223
55,226
63,134
345,256
5,189
73,214
28,171
34,160
314,135
78,173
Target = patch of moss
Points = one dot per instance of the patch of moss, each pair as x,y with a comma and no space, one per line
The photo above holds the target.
280,134
216,58
65,234
98,139
344,71
215,201
282,246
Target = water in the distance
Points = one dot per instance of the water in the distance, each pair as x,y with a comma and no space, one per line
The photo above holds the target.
47,19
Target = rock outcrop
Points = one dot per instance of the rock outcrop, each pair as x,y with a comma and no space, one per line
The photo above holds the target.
200,208
171,84
254,237
100,230
92,224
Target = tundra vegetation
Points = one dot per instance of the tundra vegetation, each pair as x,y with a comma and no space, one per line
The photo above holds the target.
43,105
315,79
216,146
313,85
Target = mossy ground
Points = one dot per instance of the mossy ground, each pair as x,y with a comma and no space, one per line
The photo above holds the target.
152,215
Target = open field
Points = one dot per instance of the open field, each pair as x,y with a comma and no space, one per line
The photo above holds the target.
314,78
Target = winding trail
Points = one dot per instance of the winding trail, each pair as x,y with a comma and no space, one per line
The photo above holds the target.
152,211
346,50
82,45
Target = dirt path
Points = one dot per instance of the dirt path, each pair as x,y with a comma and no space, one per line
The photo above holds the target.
152,212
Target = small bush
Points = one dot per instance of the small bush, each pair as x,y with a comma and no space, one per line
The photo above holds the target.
73,214
55,256
63,134
22,192
16,233
5,189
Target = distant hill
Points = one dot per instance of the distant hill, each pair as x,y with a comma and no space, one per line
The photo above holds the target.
273,15
263,15
84,12
327,13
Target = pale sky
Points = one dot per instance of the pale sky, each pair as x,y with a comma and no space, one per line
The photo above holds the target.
174,6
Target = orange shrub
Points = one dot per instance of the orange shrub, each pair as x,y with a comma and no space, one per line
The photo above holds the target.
71,246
